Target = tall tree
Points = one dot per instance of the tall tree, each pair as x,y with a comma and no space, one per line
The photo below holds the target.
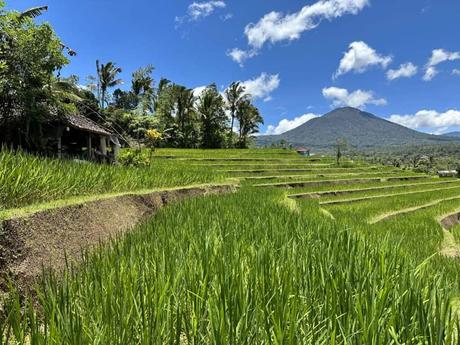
235,95
142,87
185,114
107,75
211,109
142,82
30,55
249,118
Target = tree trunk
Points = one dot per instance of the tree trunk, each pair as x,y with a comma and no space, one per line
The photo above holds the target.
231,130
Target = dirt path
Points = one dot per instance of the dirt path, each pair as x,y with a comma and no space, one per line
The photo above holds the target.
48,237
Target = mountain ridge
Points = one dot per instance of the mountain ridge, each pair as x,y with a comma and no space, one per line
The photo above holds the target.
359,128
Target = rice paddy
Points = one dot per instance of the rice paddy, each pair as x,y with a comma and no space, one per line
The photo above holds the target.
350,254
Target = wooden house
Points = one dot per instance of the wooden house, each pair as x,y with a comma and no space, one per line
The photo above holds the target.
76,136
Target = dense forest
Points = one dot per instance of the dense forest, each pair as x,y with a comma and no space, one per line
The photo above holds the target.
33,93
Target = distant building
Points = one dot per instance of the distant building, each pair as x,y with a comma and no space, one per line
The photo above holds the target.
303,151
76,136
448,173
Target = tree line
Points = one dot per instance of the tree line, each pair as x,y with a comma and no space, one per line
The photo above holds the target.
33,93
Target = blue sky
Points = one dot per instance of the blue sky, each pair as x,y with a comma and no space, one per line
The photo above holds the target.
397,59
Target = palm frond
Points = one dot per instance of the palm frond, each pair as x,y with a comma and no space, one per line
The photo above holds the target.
33,12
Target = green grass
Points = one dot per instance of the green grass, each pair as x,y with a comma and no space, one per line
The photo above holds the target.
26,179
253,267
233,277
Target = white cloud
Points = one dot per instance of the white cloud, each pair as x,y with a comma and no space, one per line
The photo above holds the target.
406,70
286,125
428,119
276,27
430,73
359,58
199,10
239,55
262,86
456,72
357,99
226,17
438,56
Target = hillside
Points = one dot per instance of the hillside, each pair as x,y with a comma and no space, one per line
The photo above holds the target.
452,134
360,129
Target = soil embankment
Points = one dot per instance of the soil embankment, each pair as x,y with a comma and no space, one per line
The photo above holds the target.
47,238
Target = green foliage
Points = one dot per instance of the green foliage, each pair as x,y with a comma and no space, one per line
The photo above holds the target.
213,119
249,119
30,56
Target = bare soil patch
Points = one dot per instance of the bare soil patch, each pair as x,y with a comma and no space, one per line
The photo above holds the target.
448,222
47,238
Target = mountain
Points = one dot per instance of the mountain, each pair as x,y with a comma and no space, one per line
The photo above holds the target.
360,129
452,134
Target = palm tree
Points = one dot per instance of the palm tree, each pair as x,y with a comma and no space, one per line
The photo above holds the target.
249,119
235,95
211,109
185,112
107,78
142,82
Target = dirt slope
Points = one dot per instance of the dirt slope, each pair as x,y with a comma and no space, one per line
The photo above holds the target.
45,238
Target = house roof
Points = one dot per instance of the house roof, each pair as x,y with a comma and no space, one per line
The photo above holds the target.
83,123
302,149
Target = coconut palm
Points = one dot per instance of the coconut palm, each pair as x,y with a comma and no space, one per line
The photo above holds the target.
249,119
235,95
211,109
107,78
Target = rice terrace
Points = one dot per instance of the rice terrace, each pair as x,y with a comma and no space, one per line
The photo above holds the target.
363,261
158,185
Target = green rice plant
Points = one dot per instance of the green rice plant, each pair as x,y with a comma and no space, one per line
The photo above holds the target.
27,179
373,190
363,186
240,269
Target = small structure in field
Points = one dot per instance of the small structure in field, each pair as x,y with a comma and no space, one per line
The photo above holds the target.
303,151
448,173
77,136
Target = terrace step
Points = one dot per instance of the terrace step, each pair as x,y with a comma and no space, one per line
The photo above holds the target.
256,171
373,197
390,215
340,182
316,195
338,174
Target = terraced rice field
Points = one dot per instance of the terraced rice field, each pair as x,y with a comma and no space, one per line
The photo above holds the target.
350,254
